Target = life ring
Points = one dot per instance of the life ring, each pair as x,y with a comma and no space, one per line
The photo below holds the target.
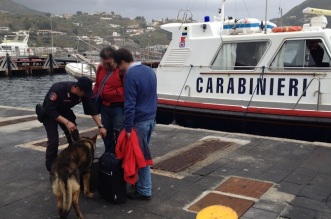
286,29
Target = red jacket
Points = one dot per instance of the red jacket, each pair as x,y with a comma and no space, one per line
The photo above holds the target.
130,151
113,91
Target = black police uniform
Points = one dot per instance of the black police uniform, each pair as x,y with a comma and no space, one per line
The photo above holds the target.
59,101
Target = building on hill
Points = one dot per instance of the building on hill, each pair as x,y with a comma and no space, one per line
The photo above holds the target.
67,16
153,24
43,32
150,28
134,30
158,48
97,40
114,25
106,18
77,24
4,28
59,33
115,34
132,26
49,32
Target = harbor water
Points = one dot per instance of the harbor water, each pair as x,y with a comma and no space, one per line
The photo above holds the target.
26,92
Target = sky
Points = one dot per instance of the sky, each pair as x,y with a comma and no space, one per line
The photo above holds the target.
156,9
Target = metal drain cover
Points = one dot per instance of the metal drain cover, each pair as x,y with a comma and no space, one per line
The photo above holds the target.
63,140
187,158
245,187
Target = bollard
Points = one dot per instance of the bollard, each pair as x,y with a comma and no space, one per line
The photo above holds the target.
8,65
217,212
51,67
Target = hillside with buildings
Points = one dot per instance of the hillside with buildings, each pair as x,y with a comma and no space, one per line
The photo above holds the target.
296,17
77,31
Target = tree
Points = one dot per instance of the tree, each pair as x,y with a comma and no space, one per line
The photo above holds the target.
143,25
26,24
45,24
140,18
79,13
48,14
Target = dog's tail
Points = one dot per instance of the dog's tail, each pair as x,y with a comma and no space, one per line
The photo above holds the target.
66,189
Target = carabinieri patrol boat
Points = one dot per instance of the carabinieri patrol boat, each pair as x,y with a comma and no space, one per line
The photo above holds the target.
244,75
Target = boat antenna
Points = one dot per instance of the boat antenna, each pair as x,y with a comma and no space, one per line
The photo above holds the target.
266,16
281,13
222,10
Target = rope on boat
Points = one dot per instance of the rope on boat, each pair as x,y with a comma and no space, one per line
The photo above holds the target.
180,94
250,101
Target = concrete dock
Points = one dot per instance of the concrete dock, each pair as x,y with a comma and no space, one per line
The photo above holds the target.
275,178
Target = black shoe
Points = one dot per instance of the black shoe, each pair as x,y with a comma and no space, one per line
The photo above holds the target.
137,196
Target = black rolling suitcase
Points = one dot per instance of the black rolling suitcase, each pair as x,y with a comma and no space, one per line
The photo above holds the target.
111,186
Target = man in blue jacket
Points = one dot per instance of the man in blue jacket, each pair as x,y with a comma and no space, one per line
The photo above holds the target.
140,104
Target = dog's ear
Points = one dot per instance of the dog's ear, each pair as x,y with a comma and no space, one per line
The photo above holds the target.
94,138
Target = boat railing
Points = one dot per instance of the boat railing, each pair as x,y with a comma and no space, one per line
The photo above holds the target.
185,14
318,93
91,67
85,61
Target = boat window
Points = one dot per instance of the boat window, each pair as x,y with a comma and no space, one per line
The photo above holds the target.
6,47
299,54
239,56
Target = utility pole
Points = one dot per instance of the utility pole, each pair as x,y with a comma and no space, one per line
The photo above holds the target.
89,44
266,17
148,46
52,40
123,36
281,14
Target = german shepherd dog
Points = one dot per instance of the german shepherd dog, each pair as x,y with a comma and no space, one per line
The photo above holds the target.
76,159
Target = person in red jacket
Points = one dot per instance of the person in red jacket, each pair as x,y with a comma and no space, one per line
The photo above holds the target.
109,88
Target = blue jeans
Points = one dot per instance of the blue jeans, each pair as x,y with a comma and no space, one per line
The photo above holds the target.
112,119
144,183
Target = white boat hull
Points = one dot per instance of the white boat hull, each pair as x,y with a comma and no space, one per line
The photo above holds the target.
78,70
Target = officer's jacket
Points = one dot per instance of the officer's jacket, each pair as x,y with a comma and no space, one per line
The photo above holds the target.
59,100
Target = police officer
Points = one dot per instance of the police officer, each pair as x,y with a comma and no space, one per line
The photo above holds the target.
57,105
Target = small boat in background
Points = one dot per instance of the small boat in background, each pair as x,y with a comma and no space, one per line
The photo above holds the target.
16,45
83,67
78,70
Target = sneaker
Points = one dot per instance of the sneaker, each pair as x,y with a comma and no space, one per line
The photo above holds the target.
137,196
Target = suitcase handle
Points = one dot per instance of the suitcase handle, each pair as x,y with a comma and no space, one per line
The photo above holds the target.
107,173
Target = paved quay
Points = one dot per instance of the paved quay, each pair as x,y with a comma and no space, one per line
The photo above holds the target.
262,178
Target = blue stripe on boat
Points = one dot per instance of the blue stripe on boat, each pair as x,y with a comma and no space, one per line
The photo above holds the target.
231,26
